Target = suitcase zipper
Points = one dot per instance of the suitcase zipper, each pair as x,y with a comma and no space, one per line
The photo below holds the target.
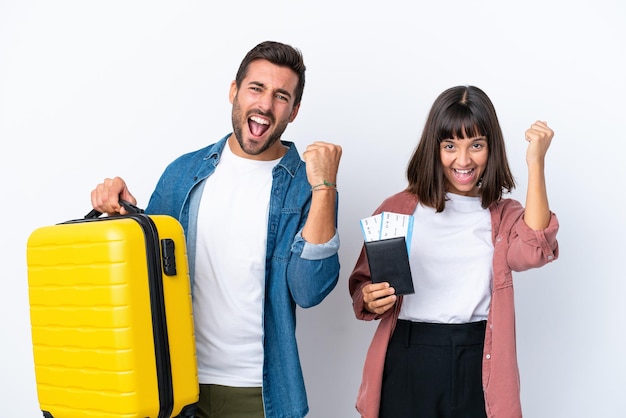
159,320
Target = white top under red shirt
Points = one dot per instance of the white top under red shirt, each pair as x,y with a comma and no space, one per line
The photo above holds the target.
451,263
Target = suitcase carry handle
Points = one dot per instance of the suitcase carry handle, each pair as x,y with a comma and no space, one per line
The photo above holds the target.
130,208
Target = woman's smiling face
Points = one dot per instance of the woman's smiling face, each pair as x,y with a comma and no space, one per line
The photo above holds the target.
464,161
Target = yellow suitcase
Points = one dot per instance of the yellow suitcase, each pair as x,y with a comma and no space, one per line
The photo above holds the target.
111,319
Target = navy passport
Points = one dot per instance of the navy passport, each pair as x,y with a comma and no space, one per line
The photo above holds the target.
389,262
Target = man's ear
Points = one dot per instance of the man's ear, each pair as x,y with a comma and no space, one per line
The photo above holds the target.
233,91
294,113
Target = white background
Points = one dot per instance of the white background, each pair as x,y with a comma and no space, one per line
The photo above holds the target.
90,90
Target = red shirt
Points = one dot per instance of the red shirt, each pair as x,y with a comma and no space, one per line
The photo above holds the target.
516,248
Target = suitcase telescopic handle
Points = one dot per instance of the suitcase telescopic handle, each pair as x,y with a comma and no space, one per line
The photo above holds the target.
130,208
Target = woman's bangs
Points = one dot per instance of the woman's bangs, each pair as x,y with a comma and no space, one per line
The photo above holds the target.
459,124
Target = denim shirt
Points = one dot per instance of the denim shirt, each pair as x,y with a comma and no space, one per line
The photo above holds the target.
297,272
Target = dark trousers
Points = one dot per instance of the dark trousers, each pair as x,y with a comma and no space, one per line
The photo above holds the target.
434,371
229,402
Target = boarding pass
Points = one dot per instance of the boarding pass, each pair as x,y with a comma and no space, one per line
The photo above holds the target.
387,225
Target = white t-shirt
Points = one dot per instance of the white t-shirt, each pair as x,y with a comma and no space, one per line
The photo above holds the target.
229,282
451,261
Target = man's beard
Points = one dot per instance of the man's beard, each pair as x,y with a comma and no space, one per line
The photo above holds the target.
238,120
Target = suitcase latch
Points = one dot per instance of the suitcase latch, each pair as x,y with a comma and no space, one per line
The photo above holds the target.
168,256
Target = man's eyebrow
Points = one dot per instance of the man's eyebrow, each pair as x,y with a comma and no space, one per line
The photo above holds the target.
281,91
284,92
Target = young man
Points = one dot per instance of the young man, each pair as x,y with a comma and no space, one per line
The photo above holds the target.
261,234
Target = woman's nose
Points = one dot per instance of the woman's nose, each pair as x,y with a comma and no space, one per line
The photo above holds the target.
464,157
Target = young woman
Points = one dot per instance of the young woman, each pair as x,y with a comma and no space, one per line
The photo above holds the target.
448,350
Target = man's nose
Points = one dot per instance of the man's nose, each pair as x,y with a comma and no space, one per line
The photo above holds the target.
265,101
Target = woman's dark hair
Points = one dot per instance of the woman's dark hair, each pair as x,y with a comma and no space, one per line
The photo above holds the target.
279,54
458,112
